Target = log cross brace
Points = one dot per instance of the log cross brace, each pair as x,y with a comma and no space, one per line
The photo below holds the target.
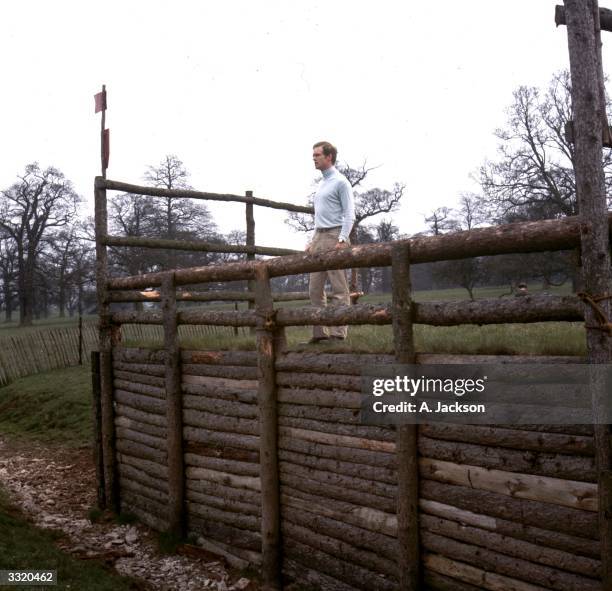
600,315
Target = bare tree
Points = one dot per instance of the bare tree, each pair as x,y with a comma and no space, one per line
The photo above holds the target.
40,201
466,273
132,215
469,213
533,178
69,263
441,220
385,232
180,217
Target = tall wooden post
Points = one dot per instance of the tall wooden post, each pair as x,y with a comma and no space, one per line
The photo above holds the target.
106,347
97,429
102,139
250,241
268,433
174,409
583,34
406,440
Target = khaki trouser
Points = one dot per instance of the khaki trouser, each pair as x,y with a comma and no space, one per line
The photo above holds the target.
324,241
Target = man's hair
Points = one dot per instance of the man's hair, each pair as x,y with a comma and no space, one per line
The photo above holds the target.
327,150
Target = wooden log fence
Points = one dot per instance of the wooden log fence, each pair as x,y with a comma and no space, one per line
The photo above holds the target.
204,296
337,482
263,453
195,245
492,311
541,236
524,499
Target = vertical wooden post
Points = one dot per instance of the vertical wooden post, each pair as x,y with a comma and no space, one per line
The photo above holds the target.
250,241
80,339
103,125
97,428
174,409
583,34
406,440
268,433
111,487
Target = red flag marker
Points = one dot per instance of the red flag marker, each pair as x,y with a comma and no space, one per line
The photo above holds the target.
100,99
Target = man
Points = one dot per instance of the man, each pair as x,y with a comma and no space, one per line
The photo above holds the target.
334,217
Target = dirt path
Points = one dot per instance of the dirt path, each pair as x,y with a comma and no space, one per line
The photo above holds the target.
55,488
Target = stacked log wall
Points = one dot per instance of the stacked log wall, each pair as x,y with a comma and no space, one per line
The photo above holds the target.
338,477
221,438
500,506
141,430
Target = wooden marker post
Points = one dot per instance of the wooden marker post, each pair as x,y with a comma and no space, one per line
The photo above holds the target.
174,409
406,442
111,482
268,433
250,241
584,43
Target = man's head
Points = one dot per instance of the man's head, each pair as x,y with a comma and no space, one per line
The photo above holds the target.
324,155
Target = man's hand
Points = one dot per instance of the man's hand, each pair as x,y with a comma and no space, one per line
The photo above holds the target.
307,248
341,245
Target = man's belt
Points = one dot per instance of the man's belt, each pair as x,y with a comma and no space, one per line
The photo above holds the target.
331,229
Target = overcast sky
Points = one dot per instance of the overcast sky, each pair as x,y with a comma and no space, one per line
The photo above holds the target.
240,90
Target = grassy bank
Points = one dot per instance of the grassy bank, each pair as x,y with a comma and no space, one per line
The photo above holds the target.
51,407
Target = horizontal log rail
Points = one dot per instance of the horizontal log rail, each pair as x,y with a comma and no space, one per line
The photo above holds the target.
521,237
102,183
490,311
204,296
195,245
211,296
605,17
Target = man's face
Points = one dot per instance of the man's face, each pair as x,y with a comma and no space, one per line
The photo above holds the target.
321,161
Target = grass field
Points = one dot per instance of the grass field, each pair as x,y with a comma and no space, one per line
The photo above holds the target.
551,338
10,329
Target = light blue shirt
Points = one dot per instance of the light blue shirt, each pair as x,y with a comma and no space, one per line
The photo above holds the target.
334,203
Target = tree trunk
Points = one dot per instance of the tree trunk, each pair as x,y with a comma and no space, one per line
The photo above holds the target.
366,278
8,299
385,284
26,293
62,295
